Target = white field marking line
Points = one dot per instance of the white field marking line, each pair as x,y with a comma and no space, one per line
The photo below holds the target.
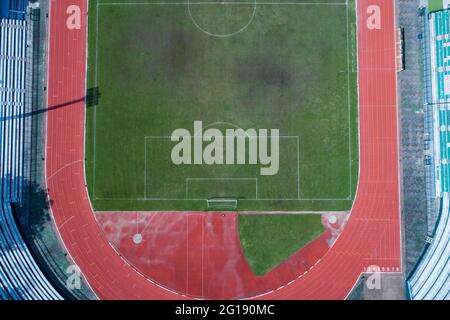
185,3
291,212
187,198
65,222
298,167
187,180
64,167
145,168
223,2
201,213
353,47
142,214
187,254
148,222
203,254
86,62
137,222
301,199
95,107
257,188
349,107
397,97
221,35
178,199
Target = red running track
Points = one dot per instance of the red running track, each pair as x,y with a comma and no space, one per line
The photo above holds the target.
372,234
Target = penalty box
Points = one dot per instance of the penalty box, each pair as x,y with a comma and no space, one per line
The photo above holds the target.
166,180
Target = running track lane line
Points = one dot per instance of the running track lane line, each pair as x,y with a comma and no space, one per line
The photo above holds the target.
371,237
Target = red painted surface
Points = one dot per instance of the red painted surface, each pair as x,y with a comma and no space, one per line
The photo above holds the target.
372,234
199,254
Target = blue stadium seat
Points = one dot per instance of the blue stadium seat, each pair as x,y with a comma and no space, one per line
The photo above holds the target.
20,276
430,280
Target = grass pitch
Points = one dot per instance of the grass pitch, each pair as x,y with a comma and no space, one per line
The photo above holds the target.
268,240
160,66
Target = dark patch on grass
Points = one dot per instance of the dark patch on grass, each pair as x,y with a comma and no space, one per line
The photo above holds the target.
265,71
178,52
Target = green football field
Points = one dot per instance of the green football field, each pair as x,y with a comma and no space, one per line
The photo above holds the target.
288,234
156,67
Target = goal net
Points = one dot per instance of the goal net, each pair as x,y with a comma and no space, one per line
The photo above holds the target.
221,204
